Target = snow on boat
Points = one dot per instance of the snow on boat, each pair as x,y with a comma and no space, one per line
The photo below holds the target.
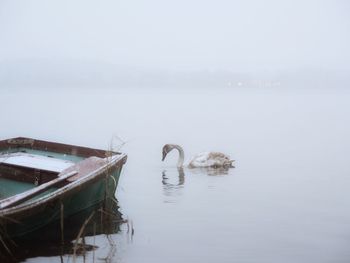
42,182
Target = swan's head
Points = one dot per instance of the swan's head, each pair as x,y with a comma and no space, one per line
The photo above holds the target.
166,149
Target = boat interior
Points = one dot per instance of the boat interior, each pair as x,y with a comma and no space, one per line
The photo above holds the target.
27,163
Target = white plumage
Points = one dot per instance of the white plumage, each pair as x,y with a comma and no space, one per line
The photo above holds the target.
210,159
205,159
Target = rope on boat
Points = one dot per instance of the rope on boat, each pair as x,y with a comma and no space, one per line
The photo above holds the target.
115,181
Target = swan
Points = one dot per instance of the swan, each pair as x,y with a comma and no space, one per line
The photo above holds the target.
205,159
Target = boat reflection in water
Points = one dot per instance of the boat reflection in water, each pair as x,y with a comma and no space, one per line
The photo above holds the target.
100,219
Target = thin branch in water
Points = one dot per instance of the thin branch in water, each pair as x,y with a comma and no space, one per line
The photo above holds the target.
79,235
2,241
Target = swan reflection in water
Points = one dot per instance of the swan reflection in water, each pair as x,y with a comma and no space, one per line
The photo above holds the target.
170,188
211,171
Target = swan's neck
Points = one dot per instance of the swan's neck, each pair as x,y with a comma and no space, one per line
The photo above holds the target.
180,162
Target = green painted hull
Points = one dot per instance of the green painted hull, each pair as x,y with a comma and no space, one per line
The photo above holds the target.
94,194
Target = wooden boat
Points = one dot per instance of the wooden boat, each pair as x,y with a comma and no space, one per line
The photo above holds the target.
42,182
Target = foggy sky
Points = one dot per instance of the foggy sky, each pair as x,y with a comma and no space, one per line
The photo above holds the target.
231,35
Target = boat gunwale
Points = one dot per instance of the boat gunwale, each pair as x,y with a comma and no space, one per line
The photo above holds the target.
30,143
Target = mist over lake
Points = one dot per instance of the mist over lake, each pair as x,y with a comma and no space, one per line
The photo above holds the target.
264,82
285,200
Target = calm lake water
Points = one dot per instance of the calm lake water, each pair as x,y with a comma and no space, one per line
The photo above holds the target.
287,200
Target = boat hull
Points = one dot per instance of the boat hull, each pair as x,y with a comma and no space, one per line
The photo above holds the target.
92,188
97,192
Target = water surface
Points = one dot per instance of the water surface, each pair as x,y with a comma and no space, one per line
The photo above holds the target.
287,200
